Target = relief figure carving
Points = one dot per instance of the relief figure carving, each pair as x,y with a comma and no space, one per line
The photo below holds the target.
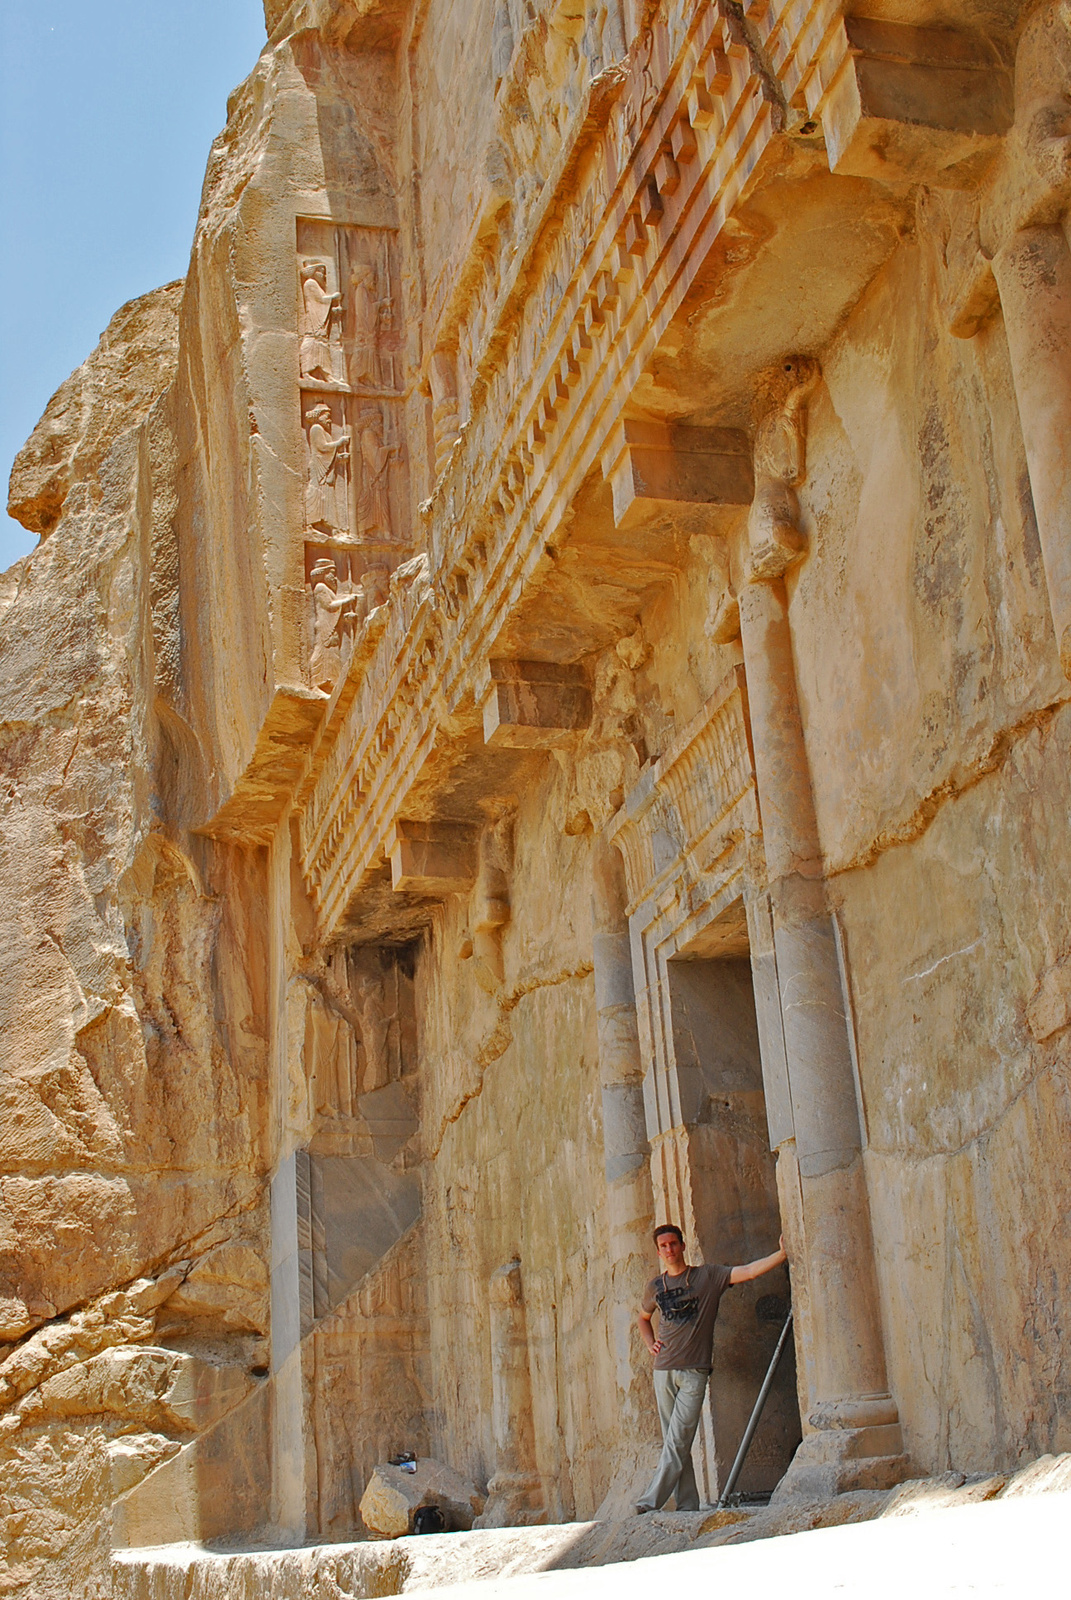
319,354
368,307
327,490
373,495
376,996
330,1060
329,609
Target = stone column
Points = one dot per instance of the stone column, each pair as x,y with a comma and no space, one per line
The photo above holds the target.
856,1442
291,1244
626,1158
1033,273
515,1493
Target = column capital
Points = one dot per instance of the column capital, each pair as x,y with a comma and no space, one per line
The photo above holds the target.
775,537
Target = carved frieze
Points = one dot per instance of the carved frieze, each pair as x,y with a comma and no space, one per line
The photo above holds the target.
355,500
328,466
667,150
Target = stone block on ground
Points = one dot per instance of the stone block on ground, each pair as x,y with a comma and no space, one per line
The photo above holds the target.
393,1496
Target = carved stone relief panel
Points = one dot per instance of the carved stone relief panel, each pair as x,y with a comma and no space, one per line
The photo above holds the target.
350,306
355,504
378,472
354,469
329,506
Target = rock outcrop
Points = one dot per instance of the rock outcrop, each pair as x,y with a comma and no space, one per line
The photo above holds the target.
542,705
110,393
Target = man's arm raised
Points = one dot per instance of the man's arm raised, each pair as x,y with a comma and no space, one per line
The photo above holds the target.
755,1269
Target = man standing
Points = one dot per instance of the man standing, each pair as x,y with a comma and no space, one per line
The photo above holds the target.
687,1301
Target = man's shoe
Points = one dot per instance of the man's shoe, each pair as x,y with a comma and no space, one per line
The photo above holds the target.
640,1509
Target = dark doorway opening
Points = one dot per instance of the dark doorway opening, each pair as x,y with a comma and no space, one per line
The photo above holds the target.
734,1190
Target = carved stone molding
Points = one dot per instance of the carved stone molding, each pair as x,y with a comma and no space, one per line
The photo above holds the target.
668,146
433,858
692,808
550,407
913,103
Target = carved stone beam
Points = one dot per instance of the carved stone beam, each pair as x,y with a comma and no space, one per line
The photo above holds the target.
533,705
912,104
655,468
433,858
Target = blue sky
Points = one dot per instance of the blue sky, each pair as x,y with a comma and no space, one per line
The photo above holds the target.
107,114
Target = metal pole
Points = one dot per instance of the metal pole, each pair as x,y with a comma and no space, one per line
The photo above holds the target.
749,1431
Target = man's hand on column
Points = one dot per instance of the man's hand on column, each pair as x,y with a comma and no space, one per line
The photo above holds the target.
755,1269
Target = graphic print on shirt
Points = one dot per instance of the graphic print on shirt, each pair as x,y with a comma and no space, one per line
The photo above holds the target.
677,1305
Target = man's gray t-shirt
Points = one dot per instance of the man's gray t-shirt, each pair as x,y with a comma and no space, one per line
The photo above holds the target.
687,1309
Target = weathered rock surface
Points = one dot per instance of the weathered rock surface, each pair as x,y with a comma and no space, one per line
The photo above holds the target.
393,1495
133,1455
109,393
120,1095
150,1387
543,704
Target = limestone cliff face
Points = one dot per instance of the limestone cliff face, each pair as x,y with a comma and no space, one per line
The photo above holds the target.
154,651
133,1046
539,705
114,934
110,393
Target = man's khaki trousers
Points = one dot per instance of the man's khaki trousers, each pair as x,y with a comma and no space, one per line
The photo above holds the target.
679,1394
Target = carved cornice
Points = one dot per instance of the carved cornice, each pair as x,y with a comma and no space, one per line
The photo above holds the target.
656,173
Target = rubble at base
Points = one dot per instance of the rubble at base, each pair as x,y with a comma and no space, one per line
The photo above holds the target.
393,1496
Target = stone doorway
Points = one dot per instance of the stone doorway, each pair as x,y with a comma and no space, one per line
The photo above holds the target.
733,1195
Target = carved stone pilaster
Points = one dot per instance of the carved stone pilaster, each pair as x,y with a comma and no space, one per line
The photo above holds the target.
1032,267
854,1436
490,900
515,1493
